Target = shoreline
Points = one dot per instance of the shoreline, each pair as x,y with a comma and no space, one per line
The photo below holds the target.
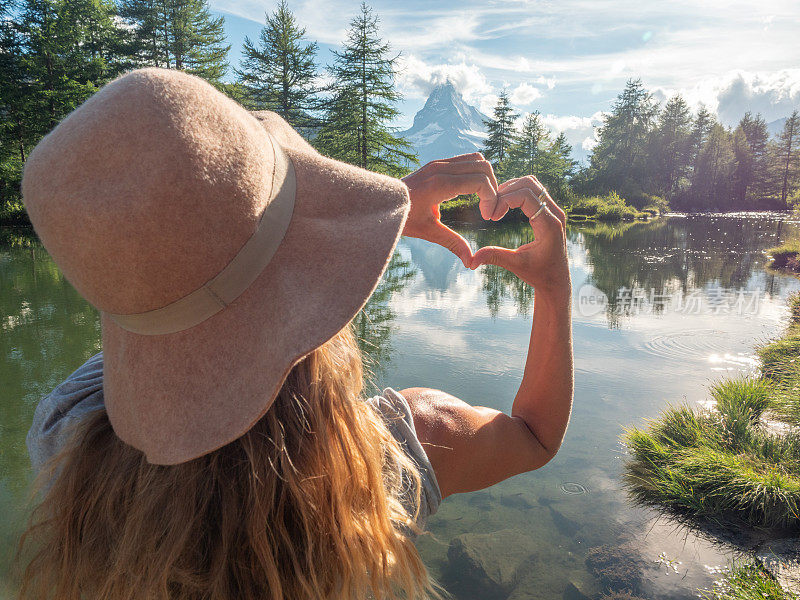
732,470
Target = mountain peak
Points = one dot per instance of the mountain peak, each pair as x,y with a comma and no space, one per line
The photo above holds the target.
444,93
446,125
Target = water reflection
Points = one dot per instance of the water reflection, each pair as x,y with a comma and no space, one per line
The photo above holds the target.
432,322
466,332
662,261
374,324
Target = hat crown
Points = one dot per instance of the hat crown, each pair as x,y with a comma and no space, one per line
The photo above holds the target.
148,189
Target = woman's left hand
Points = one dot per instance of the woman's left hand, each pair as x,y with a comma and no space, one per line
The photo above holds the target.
442,180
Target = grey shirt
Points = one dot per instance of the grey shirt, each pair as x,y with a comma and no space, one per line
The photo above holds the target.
82,393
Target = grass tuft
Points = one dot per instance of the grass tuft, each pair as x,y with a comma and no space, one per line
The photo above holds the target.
747,581
786,256
610,207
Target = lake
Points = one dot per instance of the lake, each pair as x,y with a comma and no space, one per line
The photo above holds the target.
661,310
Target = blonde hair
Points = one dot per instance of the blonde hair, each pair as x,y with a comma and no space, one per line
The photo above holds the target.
308,504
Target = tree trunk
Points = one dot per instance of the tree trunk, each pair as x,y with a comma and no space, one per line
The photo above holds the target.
364,114
785,187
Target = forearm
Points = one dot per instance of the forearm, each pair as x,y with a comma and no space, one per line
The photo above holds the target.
544,399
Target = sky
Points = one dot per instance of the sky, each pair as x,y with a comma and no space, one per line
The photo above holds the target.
569,59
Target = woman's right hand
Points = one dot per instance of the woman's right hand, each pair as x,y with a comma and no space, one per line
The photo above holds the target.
541,263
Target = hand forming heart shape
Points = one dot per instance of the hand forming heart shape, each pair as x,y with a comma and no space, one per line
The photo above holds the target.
542,263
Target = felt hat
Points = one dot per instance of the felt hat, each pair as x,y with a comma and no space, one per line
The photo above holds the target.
219,247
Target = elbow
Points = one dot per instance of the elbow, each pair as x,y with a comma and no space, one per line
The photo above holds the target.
538,451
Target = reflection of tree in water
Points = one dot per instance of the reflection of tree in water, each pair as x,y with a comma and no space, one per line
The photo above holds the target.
374,324
498,283
673,255
47,331
662,257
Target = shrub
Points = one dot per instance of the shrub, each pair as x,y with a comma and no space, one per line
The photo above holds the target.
721,463
786,255
748,581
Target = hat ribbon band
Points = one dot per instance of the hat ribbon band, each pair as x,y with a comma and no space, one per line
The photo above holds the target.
237,276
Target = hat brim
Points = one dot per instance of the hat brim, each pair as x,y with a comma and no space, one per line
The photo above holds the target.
192,392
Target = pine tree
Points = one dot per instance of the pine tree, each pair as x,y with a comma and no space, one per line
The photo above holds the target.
528,154
701,129
711,184
751,148
788,157
669,147
280,74
356,126
176,34
14,116
68,51
144,43
14,94
502,134
563,165
620,157
53,56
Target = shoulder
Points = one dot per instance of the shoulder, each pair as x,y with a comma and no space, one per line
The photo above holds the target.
399,418
470,447
78,395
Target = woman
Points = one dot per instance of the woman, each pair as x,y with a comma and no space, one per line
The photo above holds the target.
220,447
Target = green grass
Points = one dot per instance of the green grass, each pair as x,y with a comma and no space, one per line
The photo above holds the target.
463,201
780,364
724,464
610,207
786,256
747,581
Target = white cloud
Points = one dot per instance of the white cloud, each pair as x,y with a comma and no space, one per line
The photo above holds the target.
487,103
417,78
524,94
589,143
580,131
773,94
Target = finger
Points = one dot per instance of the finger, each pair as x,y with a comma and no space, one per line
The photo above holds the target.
546,225
532,182
500,210
478,165
447,185
465,166
444,236
460,157
552,204
529,181
522,198
494,255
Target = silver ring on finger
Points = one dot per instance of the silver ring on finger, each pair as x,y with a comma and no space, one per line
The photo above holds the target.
538,212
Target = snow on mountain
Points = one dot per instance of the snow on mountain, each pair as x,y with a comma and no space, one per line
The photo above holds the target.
776,127
446,126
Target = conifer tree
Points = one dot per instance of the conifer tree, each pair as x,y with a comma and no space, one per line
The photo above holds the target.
279,73
620,157
53,55
14,113
711,184
787,152
751,148
356,128
703,123
176,34
669,147
563,165
529,152
502,134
